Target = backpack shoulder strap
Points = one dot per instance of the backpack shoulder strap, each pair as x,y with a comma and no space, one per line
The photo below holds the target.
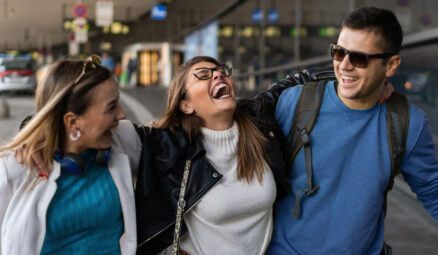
305,116
397,126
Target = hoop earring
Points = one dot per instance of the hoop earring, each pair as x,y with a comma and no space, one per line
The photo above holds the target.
75,137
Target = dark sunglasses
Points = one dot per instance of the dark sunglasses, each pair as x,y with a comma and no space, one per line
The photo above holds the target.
205,73
357,59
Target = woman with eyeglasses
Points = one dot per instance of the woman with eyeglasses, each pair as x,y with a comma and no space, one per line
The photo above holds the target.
84,203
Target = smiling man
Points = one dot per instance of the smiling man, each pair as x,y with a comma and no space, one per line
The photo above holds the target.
350,156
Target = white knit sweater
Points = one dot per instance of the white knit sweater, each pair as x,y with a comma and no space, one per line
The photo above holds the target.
234,217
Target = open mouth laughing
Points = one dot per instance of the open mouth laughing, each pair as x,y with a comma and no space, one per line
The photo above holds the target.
220,91
108,134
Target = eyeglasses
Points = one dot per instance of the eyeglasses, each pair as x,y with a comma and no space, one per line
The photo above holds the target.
205,73
92,62
357,59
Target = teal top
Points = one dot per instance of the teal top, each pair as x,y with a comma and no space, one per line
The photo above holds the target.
85,215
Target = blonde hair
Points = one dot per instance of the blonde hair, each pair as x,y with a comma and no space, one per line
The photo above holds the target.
66,87
250,148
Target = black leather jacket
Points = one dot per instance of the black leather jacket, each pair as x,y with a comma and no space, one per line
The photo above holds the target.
165,155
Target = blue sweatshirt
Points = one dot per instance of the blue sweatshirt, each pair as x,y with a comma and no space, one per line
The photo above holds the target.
351,165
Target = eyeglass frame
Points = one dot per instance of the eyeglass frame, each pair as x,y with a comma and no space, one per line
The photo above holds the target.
358,53
216,68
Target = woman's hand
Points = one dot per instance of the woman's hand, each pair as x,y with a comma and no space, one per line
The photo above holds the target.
386,93
36,161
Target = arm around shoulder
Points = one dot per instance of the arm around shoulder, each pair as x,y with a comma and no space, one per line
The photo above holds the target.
130,142
269,97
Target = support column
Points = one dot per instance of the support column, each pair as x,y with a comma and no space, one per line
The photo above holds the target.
298,17
237,61
352,5
262,40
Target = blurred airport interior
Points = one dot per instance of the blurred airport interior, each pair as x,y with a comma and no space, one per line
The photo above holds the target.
263,40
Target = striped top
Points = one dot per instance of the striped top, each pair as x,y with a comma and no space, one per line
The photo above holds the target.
85,215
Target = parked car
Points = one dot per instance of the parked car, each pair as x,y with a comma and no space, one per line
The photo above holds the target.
17,74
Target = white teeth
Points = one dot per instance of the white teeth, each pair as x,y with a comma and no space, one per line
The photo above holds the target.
217,88
349,78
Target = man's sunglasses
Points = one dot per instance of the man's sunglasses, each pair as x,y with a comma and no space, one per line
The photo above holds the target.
357,59
205,73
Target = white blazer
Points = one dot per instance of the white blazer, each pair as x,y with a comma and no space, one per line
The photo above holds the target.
23,210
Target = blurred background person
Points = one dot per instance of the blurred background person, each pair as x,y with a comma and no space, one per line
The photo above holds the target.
107,61
132,71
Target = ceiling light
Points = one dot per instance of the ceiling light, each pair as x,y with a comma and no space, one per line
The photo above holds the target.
227,31
116,27
125,29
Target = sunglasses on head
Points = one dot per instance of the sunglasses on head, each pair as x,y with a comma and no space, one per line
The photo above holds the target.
91,64
357,59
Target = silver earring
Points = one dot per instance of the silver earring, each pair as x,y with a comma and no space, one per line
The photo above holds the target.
75,137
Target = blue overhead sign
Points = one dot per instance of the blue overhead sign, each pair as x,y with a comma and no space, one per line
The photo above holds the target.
257,15
158,12
273,15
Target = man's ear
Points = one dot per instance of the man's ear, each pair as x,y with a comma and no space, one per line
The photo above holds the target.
70,121
186,107
392,65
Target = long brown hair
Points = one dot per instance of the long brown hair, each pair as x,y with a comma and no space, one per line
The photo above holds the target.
250,148
68,86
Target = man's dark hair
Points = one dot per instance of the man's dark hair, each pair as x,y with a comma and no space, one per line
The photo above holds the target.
381,21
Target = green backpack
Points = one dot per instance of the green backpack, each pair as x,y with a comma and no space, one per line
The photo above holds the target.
305,117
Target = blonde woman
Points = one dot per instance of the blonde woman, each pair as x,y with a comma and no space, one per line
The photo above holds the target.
84,204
